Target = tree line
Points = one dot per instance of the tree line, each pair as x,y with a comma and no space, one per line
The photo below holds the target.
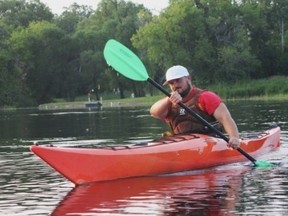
44,56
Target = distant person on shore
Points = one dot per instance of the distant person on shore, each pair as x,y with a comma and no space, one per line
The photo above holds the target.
206,103
90,95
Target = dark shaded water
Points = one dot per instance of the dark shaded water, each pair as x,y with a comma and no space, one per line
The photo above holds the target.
30,187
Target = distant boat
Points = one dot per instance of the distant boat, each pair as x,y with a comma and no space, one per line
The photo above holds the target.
93,105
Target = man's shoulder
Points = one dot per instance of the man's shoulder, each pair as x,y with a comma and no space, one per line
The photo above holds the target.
209,97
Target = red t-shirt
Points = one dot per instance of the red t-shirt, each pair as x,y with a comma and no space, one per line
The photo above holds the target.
209,101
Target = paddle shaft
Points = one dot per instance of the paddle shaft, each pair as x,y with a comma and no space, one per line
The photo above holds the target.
199,118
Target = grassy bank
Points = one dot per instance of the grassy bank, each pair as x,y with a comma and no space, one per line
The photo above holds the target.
275,88
272,88
126,102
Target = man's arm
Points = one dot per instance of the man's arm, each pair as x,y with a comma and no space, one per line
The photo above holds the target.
223,115
161,108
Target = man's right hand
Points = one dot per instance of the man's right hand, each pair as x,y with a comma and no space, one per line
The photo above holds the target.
175,97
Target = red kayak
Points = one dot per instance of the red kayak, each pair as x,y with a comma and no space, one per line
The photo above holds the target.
166,155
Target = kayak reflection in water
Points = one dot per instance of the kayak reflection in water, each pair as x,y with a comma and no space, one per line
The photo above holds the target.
211,192
206,103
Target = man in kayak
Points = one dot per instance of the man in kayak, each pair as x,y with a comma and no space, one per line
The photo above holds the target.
206,103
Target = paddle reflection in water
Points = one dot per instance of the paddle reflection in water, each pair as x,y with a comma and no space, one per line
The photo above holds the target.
210,192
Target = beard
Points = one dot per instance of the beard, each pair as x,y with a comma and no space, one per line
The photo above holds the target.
186,90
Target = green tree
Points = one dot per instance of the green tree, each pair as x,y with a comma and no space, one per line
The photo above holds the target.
230,39
112,19
16,14
200,35
265,21
277,17
43,55
10,82
20,13
72,16
170,38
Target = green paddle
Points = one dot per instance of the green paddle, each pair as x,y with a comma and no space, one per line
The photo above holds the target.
128,64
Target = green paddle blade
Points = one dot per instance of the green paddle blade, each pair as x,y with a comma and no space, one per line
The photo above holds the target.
263,164
124,61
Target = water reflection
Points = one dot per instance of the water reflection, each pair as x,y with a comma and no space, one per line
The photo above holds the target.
264,192
213,192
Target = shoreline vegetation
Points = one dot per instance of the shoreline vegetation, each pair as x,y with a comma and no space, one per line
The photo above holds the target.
141,102
47,58
274,88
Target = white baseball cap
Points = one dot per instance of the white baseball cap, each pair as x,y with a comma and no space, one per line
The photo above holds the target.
175,72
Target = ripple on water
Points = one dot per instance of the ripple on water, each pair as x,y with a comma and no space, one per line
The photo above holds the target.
29,187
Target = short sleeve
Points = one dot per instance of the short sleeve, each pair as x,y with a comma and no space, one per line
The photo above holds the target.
209,101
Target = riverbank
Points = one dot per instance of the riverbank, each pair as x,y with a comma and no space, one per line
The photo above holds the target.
125,102
141,102
274,88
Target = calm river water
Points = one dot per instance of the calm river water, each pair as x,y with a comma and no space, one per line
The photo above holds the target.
30,187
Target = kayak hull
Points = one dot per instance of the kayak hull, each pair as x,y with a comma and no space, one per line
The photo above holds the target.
167,155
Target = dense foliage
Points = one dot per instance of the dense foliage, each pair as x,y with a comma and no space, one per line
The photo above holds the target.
44,56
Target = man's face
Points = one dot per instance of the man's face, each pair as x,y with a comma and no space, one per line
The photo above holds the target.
181,85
